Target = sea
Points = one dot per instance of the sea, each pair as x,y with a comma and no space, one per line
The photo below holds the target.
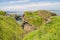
56,11
21,12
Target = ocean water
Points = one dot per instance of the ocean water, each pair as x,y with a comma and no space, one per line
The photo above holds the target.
56,11
15,12
21,13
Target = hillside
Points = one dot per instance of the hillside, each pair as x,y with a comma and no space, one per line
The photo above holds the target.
38,18
37,25
44,31
50,31
9,29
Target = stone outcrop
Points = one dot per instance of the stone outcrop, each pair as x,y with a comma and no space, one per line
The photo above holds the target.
27,27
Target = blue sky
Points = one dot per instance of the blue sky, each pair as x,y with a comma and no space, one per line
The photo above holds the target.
23,5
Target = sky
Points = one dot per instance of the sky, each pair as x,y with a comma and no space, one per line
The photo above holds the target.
27,5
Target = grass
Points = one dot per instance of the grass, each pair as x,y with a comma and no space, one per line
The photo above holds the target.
50,31
9,29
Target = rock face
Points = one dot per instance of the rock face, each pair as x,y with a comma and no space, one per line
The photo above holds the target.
27,27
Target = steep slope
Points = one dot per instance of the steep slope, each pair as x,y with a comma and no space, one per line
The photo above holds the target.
50,31
9,29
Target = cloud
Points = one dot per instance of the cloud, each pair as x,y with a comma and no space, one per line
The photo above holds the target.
32,6
14,1
19,1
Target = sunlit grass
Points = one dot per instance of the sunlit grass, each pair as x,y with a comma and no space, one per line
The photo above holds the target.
50,31
9,29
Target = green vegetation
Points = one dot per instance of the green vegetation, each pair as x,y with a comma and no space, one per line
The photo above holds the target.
46,31
33,19
50,31
9,29
2,13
